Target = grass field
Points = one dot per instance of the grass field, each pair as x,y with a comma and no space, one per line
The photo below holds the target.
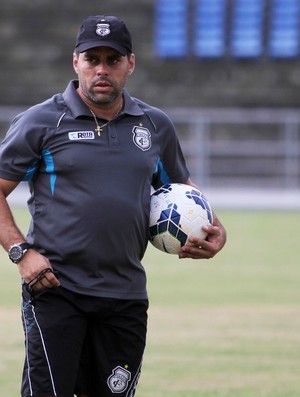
228,327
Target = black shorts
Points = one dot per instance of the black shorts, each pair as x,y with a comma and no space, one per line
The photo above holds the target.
82,344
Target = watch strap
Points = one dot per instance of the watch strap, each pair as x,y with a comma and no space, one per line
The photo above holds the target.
25,246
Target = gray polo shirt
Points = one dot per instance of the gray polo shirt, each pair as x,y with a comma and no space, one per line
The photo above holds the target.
90,194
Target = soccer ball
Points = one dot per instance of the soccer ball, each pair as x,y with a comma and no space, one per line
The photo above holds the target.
177,211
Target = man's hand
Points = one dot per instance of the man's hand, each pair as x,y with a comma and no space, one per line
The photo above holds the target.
205,249
37,271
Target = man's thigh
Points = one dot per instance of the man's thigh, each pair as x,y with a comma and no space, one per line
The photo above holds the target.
113,351
54,335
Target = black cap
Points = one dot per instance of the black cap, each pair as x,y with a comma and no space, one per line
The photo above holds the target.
104,31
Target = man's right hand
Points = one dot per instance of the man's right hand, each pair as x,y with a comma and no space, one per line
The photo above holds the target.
37,271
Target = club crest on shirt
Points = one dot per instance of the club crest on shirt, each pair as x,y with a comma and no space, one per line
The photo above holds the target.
119,379
141,137
79,135
103,29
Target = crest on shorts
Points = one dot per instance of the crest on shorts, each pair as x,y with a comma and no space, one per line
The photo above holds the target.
118,380
141,137
103,29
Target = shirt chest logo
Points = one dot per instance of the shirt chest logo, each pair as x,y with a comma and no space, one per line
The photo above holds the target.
142,137
81,135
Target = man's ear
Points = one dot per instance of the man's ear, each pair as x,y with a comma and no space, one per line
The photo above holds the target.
131,64
75,62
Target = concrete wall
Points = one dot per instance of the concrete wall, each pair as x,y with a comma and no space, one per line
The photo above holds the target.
37,40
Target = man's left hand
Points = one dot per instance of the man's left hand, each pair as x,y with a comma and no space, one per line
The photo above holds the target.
205,249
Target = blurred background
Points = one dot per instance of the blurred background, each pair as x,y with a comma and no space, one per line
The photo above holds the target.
228,74
226,71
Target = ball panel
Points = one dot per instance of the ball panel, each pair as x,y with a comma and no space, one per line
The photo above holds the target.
167,243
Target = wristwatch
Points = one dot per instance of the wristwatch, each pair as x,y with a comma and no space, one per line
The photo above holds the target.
17,251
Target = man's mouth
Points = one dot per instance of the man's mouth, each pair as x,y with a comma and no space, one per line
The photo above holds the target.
102,86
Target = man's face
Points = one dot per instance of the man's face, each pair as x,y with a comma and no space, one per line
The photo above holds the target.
102,74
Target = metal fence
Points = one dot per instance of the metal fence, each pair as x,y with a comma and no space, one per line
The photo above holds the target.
232,148
241,148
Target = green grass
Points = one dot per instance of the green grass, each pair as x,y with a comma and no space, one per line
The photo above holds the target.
227,327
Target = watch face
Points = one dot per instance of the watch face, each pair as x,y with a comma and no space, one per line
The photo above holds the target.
15,253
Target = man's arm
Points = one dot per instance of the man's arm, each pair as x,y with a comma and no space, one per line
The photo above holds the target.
208,248
33,263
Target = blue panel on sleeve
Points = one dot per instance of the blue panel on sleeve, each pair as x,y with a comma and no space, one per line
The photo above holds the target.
30,172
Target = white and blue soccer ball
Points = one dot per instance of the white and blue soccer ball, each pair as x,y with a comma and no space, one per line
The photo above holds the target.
177,211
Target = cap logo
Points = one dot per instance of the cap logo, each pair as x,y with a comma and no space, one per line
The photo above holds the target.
103,29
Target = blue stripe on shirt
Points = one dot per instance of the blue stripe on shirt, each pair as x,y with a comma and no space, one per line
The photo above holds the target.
163,176
48,159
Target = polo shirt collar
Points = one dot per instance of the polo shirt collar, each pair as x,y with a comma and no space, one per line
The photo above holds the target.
78,108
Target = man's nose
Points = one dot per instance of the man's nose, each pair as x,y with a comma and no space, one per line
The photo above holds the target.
102,69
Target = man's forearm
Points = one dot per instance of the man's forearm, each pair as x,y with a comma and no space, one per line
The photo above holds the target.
9,231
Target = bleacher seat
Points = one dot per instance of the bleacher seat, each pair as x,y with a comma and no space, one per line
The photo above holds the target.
284,29
247,28
171,28
209,27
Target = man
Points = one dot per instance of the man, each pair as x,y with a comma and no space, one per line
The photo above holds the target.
90,156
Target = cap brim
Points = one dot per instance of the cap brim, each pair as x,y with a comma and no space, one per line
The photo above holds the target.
94,44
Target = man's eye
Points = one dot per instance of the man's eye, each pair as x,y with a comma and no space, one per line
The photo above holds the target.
91,59
114,60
